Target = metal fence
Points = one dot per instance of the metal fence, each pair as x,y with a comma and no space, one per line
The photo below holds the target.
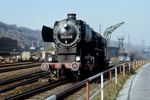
123,68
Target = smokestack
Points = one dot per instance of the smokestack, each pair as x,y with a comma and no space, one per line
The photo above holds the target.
71,16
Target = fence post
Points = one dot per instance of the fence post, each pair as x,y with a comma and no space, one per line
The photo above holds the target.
102,87
129,66
136,63
140,62
123,69
110,77
120,71
116,74
133,64
87,90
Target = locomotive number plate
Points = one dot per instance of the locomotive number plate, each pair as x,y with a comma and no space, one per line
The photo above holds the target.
66,37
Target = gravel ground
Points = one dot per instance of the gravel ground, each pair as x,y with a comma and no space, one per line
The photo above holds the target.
19,90
46,94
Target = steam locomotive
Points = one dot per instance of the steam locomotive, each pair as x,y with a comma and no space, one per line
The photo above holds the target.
80,50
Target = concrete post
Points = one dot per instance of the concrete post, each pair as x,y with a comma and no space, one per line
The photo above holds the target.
123,69
102,87
129,67
116,74
110,78
133,65
136,63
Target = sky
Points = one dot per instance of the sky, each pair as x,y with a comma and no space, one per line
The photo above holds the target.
34,14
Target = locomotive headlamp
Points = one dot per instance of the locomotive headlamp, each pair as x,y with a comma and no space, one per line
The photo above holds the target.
77,58
74,66
45,66
50,59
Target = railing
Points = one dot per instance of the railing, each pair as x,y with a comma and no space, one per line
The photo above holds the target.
122,69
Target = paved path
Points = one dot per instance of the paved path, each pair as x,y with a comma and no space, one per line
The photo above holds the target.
138,86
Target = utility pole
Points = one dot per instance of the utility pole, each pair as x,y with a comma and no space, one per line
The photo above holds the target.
99,29
142,44
128,39
128,42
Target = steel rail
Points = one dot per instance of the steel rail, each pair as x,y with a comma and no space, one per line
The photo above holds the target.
14,64
18,68
28,93
31,80
20,78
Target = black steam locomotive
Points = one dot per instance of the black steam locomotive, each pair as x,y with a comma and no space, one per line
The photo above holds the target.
80,50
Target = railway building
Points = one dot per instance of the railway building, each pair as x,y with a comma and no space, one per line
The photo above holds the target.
7,44
113,52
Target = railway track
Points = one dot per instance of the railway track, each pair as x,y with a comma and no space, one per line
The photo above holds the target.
18,67
14,64
26,80
19,78
31,92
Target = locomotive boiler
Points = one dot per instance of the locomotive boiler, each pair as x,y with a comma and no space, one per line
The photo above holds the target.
80,50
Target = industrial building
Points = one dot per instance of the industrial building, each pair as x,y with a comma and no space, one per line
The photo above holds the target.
113,52
7,44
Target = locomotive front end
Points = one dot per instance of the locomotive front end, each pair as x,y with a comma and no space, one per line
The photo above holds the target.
66,34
